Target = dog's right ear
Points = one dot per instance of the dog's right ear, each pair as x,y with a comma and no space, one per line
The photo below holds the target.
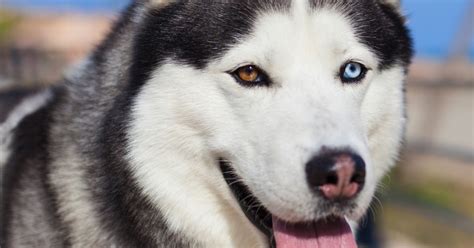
159,3
394,3
155,3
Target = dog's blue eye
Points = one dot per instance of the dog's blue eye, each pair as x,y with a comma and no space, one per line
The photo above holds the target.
352,72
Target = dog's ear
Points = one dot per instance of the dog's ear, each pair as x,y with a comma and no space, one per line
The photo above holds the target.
160,3
394,3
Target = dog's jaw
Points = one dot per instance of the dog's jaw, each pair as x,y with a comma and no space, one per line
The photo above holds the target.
328,232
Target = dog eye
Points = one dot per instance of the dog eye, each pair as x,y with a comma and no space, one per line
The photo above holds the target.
251,75
352,72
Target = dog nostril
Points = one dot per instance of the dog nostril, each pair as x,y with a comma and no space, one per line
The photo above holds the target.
332,178
358,177
319,171
336,174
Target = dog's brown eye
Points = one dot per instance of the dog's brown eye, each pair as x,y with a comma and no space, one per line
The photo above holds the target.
251,75
248,73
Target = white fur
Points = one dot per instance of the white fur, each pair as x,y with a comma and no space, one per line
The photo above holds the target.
175,165
25,108
75,194
184,119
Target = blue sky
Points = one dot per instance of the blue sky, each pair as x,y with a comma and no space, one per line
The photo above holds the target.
434,23
68,5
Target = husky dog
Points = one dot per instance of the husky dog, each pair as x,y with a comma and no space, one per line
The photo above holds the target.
230,123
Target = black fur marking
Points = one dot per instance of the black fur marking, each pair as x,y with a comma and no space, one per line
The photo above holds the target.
402,44
189,32
377,25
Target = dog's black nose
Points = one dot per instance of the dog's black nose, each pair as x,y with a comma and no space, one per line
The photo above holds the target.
336,174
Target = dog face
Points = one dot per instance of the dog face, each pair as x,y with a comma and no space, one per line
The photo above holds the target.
303,100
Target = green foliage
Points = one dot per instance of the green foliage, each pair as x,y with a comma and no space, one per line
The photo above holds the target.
434,193
428,232
7,23
409,200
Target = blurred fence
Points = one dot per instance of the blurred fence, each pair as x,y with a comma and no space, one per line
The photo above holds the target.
30,67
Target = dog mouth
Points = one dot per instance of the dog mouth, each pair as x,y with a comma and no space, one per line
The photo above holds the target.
329,232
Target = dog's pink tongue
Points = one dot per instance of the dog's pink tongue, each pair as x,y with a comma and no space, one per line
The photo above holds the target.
334,233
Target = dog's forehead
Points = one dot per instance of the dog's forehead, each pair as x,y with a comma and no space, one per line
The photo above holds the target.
198,32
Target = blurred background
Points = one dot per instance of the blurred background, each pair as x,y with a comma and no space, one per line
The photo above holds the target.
428,200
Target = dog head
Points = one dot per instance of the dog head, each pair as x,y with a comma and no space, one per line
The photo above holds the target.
298,105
